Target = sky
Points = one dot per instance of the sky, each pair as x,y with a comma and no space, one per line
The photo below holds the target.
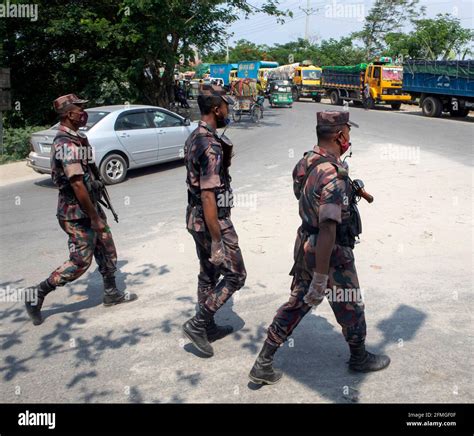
329,19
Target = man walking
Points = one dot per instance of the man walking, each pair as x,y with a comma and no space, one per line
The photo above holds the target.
208,158
79,213
323,251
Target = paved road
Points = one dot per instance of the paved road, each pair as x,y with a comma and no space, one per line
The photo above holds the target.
414,262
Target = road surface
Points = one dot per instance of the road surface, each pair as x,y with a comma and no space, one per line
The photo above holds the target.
414,263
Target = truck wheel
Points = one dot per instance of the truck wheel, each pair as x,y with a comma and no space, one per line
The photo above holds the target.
369,103
335,99
461,113
113,169
317,99
396,106
357,103
431,107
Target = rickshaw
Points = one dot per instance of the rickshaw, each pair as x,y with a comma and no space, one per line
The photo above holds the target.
193,90
280,93
244,92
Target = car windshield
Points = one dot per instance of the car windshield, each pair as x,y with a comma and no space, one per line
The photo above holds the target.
394,74
312,74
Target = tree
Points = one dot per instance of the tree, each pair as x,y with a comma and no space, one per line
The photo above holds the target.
439,38
112,51
386,16
442,38
245,51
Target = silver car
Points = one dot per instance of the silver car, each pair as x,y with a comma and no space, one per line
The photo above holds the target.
122,138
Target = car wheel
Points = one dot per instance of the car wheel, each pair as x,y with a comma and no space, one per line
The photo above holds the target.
113,169
431,107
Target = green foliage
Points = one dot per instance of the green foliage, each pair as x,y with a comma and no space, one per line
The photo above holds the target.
385,17
335,52
441,38
110,51
16,143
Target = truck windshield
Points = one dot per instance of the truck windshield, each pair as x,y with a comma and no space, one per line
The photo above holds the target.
311,74
393,74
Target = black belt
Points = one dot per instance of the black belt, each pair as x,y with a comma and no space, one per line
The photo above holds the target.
309,229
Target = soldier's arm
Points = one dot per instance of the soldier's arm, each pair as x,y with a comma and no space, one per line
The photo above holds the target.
209,207
210,163
325,245
85,201
330,214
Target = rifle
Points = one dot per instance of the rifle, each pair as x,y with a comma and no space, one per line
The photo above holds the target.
103,195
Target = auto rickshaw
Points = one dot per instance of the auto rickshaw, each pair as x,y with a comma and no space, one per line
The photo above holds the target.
280,93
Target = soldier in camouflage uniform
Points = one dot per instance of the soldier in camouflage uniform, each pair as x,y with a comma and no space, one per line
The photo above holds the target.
324,260
79,213
207,159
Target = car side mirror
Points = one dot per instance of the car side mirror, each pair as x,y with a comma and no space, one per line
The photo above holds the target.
186,122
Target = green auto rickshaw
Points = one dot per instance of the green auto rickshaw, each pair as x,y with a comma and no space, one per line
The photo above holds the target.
280,93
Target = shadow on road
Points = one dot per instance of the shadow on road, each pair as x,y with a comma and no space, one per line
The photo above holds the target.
316,354
65,336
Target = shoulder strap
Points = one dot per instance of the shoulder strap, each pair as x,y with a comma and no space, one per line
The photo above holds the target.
311,168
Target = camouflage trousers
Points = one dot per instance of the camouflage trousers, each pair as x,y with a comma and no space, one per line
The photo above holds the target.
84,243
343,296
211,292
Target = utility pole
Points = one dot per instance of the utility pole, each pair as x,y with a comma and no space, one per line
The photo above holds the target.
306,28
227,50
308,11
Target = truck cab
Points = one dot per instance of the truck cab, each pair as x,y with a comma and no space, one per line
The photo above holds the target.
307,82
385,84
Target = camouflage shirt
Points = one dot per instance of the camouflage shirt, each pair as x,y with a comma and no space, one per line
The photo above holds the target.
70,155
325,196
203,157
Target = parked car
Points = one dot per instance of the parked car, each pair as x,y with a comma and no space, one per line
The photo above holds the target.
122,138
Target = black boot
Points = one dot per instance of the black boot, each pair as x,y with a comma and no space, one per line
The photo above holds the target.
40,291
195,330
262,370
216,332
112,295
363,361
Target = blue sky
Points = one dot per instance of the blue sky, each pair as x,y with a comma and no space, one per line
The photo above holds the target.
330,19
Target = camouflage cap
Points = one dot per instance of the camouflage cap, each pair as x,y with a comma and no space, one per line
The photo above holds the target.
216,91
61,104
334,118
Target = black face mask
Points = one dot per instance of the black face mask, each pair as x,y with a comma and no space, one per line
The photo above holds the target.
222,122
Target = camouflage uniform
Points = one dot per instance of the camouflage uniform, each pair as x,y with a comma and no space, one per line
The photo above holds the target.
70,154
204,159
324,196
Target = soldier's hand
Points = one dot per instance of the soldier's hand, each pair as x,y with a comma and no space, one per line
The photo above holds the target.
98,225
317,289
217,252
